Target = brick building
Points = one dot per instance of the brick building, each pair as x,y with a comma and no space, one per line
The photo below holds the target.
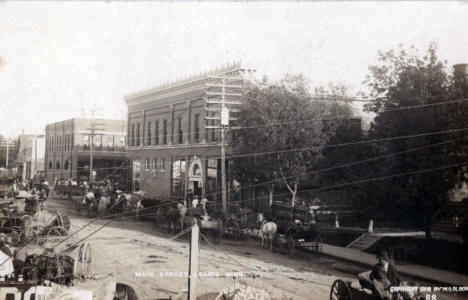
67,150
170,148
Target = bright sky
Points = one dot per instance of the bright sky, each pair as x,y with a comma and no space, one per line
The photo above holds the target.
60,58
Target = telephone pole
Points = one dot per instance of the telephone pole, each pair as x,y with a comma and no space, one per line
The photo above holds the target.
219,105
92,130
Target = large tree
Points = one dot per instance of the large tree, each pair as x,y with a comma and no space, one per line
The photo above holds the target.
284,120
410,97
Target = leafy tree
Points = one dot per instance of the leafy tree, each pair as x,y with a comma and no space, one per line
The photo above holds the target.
403,79
282,119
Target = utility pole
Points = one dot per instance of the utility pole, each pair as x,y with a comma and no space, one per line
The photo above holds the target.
92,130
193,263
219,109
6,161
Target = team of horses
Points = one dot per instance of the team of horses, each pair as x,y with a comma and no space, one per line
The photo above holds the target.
107,206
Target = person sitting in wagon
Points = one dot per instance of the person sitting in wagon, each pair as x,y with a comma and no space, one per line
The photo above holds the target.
383,276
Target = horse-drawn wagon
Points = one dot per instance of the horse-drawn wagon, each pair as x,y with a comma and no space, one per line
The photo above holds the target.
61,266
344,290
296,228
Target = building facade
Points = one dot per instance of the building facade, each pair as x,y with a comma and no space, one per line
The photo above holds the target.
30,156
68,155
171,149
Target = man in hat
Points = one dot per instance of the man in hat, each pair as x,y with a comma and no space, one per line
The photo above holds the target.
384,275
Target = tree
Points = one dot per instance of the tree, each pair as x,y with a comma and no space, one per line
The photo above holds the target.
403,80
284,120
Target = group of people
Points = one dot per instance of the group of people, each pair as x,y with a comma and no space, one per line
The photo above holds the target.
197,202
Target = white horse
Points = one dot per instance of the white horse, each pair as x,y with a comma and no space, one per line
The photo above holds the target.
267,229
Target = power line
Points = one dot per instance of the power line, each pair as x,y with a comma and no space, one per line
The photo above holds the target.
352,163
313,120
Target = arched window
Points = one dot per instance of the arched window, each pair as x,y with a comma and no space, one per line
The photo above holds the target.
196,170
57,166
50,165
67,164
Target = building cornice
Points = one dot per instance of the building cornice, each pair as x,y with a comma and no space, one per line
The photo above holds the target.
181,86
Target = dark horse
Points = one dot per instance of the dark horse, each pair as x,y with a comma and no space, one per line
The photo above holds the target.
175,217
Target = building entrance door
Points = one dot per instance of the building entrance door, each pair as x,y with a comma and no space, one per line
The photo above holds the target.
195,178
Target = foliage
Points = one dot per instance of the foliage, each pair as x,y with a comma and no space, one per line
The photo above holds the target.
409,95
284,120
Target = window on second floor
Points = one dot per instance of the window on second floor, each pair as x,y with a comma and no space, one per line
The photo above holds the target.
196,126
156,132
148,140
138,142
181,132
164,132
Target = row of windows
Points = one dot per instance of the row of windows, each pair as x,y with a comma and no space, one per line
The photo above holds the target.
161,138
59,143
155,164
57,165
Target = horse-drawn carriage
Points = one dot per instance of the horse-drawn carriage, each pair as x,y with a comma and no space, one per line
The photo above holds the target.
344,290
296,228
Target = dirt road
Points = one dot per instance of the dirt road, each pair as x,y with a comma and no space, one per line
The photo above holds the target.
138,253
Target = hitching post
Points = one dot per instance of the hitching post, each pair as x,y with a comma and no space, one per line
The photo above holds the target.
193,263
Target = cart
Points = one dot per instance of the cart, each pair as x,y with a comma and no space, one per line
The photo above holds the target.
344,290
72,263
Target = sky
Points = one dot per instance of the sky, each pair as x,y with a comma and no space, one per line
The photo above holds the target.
60,60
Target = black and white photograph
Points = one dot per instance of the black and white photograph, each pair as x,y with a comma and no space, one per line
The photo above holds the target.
233,150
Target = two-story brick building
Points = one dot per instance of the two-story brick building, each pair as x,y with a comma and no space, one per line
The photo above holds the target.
67,150
171,149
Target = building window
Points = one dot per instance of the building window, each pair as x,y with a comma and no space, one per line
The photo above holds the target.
156,132
57,166
132,137
164,132
162,164
148,141
138,135
147,164
154,164
196,127
50,165
181,132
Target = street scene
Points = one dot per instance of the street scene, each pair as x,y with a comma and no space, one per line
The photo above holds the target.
147,154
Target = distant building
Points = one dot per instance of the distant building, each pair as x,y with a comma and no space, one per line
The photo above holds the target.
31,155
67,150
171,149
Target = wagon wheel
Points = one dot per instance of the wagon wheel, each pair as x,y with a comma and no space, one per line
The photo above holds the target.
82,263
340,291
27,221
28,236
56,232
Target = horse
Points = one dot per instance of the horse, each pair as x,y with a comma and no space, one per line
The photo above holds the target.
175,216
267,229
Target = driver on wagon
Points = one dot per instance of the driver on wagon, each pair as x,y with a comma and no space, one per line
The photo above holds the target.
384,275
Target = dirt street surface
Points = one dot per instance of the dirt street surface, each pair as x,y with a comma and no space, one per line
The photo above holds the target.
136,252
